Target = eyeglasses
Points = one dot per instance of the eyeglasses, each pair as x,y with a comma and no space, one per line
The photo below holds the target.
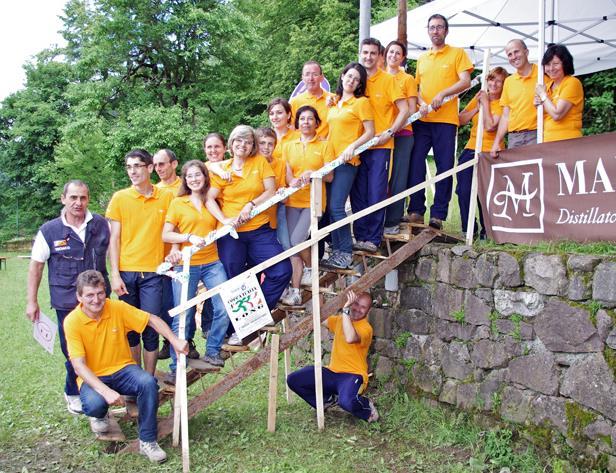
135,167
437,28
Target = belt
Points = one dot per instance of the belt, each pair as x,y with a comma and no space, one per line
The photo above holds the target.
520,131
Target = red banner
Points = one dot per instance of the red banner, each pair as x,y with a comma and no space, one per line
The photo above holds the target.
564,190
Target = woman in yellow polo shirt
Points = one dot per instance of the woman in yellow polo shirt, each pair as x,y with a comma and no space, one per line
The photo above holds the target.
187,223
279,113
492,111
562,97
303,155
351,124
252,183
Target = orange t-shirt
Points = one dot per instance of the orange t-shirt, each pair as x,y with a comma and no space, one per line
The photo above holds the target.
518,94
383,90
350,357
288,136
570,126
488,136
318,103
408,84
173,188
280,173
346,124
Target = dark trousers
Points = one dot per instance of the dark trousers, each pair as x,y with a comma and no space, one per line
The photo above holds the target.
463,191
70,385
344,385
251,248
441,137
400,169
145,291
369,188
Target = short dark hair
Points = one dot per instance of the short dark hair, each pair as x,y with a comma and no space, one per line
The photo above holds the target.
89,278
372,42
74,182
266,131
312,63
438,16
307,108
360,91
396,43
184,189
562,53
140,154
216,135
282,102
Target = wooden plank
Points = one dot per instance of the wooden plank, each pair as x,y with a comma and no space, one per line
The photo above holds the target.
287,365
272,397
114,434
304,327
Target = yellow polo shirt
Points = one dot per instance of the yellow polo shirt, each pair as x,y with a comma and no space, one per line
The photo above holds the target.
437,70
142,219
289,135
346,124
306,156
488,136
318,103
280,173
518,94
187,219
570,126
242,189
350,357
383,90
173,188
103,344
408,84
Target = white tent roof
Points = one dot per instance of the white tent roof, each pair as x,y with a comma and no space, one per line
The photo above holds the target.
586,27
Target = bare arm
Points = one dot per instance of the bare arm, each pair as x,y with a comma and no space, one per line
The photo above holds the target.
214,208
463,83
490,121
35,274
269,183
399,121
501,131
180,346
117,285
466,115
350,334
365,136
558,111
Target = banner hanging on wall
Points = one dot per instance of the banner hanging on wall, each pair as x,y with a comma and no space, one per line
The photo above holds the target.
564,190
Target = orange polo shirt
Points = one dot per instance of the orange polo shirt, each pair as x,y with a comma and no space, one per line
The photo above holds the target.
103,344
346,124
280,173
409,88
350,357
173,188
242,189
383,90
570,126
187,219
437,70
518,94
319,104
289,135
142,219
488,136
306,156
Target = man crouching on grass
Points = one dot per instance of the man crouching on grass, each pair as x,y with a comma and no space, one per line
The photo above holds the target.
347,374
98,348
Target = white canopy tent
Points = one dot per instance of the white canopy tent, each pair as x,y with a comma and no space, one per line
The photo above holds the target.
587,28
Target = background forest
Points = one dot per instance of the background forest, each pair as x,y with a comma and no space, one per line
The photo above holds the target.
163,73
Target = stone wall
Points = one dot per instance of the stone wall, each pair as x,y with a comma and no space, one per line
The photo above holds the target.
526,337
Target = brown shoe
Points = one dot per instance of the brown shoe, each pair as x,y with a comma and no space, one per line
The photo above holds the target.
436,223
414,218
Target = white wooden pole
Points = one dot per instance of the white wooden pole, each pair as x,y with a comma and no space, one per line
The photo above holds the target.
287,364
272,396
316,201
470,224
540,50
364,21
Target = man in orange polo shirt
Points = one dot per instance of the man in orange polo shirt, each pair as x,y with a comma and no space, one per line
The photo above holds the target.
96,338
347,374
314,95
137,215
390,113
519,118
441,72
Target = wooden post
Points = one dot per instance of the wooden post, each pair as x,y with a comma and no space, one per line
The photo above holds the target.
540,51
315,213
287,364
364,21
402,9
470,224
272,399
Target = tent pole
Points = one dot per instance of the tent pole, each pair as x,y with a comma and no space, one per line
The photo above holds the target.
364,21
540,50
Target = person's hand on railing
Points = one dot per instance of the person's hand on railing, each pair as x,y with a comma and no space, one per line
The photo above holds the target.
347,154
174,257
424,110
244,214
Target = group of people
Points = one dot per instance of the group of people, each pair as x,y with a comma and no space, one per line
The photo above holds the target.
105,341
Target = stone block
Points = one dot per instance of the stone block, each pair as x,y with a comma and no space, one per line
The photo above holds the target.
550,409
476,311
428,378
489,354
604,284
563,328
537,372
456,361
491,384
443,267
568,359
598,429
414,321
447,299
417,297
482,332
460,250
604,325
508,271
580,287
386,348
485,270
414,347
381,321
485,295
431,351
527,304
384,368
467,395
425,269
462,272
509,327
546,274
448,331
515,405
582,262
449,392
590,382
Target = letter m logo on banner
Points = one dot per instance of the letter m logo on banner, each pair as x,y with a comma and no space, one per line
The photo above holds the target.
515,197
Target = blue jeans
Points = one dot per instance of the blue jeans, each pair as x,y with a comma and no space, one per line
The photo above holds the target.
211,274
145,291
168,301
70,384
129,381
463,190
338,192
403,145
282,230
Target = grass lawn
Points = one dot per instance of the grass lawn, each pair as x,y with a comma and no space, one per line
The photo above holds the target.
38,434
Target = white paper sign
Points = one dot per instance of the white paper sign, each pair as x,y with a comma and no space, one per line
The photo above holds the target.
44,332
246,306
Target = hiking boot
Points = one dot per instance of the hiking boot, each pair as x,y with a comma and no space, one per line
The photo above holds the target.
214,360
193,354
436,223
153,451
393,230
374,414
235,341
99,426
169,378
340,261
370,247
306,277
330,402
164,353
73,404
293,297
359,246
414,218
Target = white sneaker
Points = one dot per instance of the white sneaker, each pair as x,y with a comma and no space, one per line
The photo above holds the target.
306,277
73,404
285,292
99,426
293,297
234,340
153,451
